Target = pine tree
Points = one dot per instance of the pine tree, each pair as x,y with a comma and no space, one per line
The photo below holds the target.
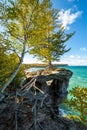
52,45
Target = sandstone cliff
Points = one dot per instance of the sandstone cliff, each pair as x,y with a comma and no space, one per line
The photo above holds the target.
35,106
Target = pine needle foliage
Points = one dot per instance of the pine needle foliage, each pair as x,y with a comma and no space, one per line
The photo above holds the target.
78,102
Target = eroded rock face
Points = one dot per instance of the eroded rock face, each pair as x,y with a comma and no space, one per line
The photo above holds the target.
53,83
37,107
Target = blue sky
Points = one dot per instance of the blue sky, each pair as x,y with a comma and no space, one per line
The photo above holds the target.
73,15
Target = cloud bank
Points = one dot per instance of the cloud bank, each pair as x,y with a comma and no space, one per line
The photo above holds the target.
67,17
74,60
70,60
83,49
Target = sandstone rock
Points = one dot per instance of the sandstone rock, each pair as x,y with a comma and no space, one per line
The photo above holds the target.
53,83
36,105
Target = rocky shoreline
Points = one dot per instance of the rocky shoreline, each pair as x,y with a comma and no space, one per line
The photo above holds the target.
35,106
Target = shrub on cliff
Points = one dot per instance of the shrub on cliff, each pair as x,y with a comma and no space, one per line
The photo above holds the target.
78,103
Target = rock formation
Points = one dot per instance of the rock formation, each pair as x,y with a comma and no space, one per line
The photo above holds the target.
35,106
52,83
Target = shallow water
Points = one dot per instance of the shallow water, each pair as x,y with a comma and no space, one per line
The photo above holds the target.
79,77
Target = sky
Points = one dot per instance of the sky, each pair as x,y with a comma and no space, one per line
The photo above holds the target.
73,16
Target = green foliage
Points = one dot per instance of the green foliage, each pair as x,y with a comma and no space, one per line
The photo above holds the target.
31,25
73,117
8,63
28,26
54,45
78,102
25,23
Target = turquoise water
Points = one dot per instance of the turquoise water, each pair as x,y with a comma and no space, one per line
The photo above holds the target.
79,77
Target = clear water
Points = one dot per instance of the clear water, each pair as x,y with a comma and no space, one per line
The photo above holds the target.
79,77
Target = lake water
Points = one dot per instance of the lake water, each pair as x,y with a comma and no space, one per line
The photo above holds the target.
79,77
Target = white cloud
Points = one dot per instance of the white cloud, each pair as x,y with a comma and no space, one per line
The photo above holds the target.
74,60
83,49
78,57
28,59
67,18
70,60
72,56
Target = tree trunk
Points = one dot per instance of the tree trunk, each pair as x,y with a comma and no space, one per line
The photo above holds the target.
50,63
14,73
50,66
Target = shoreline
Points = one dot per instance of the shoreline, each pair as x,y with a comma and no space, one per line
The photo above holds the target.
42,65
